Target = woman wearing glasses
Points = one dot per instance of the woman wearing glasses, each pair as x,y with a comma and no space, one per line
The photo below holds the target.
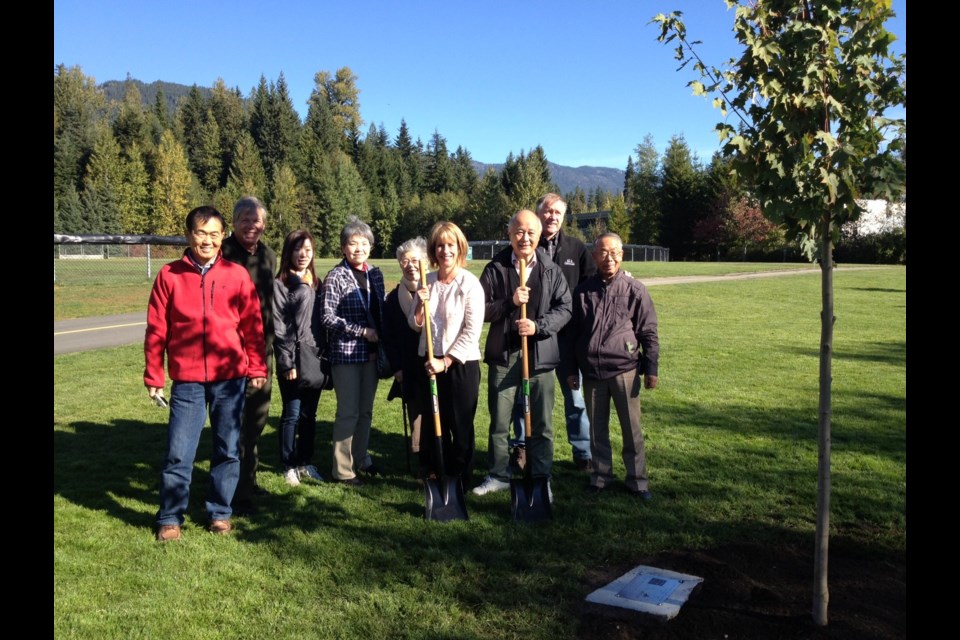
399,339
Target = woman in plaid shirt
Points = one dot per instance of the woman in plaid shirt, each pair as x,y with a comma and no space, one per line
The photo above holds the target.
352,310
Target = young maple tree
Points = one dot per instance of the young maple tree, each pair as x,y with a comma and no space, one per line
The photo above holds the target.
812,94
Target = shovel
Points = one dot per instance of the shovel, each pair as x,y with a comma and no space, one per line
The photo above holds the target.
444,496
530,497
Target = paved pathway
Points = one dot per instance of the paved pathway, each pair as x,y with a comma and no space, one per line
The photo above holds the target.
84,334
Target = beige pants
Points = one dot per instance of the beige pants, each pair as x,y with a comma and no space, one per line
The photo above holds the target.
355,386
624,391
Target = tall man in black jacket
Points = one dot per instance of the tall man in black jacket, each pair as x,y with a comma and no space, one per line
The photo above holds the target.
245,248
574,260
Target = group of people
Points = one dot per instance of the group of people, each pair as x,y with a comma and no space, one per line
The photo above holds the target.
219,313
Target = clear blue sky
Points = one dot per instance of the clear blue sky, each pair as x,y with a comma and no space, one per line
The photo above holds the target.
587,80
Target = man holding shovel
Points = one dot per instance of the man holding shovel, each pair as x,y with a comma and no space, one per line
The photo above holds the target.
548,304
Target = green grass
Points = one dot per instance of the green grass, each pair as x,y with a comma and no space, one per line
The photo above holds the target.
731,437
84,288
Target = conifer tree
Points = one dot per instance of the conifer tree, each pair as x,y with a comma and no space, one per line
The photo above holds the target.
464,175
340,193
208,157
285,206
102,186
439,173
489,210
341,94
628,175
78,108
247,176
170,190
134,196
644,194
131,126
681,197
619,221
226,107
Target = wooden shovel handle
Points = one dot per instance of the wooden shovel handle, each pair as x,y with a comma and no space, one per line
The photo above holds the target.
433,378
525,356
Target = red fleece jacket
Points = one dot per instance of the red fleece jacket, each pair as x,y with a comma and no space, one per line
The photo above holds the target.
209,326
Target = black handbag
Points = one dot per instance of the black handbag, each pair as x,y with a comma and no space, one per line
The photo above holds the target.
311,372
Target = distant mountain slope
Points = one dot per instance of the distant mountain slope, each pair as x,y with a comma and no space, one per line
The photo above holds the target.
172,92
569,178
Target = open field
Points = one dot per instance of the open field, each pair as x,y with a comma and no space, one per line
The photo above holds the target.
120,285
732,457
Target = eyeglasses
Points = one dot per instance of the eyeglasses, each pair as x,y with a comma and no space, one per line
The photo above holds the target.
407,262
203,235
520,233
616,253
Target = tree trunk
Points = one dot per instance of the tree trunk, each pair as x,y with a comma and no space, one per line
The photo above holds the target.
821,594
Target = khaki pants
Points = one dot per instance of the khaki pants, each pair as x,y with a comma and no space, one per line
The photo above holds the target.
355,386
624,390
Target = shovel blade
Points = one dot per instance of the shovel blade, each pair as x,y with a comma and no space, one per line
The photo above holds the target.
445,501
530,500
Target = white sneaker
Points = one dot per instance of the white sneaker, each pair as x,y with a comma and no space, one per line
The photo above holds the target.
292,477
311,472
489,485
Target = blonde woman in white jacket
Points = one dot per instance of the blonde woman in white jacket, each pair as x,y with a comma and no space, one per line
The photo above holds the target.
456,305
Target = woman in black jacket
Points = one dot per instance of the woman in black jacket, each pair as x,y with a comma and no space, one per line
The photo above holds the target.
294,294
400,341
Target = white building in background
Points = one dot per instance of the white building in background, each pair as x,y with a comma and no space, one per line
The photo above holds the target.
879,216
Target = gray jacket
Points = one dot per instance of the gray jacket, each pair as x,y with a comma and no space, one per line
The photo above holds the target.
292,315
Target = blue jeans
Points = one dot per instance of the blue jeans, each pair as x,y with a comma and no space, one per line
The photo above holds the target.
298,424
188,413
575,411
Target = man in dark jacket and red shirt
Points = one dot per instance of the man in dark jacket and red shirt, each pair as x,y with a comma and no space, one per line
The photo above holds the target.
613,336
577,265
204,314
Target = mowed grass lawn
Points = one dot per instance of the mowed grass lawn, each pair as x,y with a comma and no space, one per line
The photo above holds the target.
731,436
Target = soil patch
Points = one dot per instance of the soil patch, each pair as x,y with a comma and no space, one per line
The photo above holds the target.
756,591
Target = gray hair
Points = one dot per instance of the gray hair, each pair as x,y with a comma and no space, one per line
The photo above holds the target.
512,224
418,244
355,227
607,234
248,203
551,198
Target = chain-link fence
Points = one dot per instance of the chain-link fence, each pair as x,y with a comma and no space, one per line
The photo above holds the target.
111,260
107,260
486,249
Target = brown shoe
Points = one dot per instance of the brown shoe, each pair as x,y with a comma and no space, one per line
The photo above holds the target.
167,532
220,527
584,464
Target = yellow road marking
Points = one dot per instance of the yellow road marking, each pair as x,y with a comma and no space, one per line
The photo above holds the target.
113,326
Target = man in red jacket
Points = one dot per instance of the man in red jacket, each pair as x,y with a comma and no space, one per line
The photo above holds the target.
204,314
